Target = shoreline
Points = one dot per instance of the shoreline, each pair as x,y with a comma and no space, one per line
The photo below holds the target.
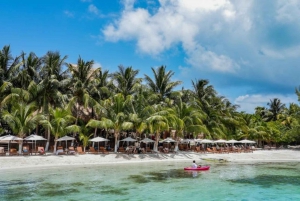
50,160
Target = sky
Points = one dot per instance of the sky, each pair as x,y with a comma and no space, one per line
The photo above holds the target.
249,50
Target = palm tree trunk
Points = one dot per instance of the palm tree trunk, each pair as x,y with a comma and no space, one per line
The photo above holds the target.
155,148
48,140
116,141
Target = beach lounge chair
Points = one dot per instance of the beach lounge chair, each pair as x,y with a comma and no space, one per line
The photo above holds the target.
2,152
121,150
103,150
60,151
79,150
71,151
148,150
13,152
41,150
93,151
26,150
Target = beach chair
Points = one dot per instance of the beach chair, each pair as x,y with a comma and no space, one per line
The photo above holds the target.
103,150
79,150
13,152
93,151
71,151
41,151
25,150
60,151
2,152
148,150
121,150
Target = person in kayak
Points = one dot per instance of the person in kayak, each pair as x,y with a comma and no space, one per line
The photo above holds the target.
194,165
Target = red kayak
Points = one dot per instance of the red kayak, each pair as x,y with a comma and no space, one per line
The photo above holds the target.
198,168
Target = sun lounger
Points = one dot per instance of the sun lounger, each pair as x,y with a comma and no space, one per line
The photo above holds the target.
2,152
121,150
103,150
71,151
93,151
41,150
60,151
79,150
13,152
26,151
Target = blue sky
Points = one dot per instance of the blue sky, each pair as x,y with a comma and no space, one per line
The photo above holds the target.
249,50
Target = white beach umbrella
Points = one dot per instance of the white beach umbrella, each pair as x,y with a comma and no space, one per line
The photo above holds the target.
65,138
34,138
220,141
247,141
205,141
147,140
99,139
168,140
232,141
128,139
9,138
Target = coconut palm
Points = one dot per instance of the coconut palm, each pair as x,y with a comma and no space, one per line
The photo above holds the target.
116,116
276,108
21,118
53,81
125,80
60,124
162,84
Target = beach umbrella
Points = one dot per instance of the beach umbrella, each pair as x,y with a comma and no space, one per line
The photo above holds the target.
34,138
168,140
247,141
220,141
9,138
99,139
147,140
128,139
65,138
205,141
232,141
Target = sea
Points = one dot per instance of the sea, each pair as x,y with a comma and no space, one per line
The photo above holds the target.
153,181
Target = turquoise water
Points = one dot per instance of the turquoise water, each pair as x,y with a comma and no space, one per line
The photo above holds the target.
154,181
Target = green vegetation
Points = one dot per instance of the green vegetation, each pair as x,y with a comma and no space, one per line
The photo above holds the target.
48,96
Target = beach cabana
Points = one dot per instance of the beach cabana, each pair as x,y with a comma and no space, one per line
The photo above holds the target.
99,139
34,138
9,138
65,138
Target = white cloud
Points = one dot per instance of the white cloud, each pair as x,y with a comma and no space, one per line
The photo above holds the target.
288,11
93,9
97,65
69,13
248,102
199,58
291,52
176,22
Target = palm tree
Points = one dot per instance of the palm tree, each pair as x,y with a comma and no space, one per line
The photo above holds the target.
60,123
162,84
22,118
9,66
83,82
125,80
53,81
276,107
116,116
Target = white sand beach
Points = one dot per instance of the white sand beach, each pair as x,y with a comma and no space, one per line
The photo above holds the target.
50,160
